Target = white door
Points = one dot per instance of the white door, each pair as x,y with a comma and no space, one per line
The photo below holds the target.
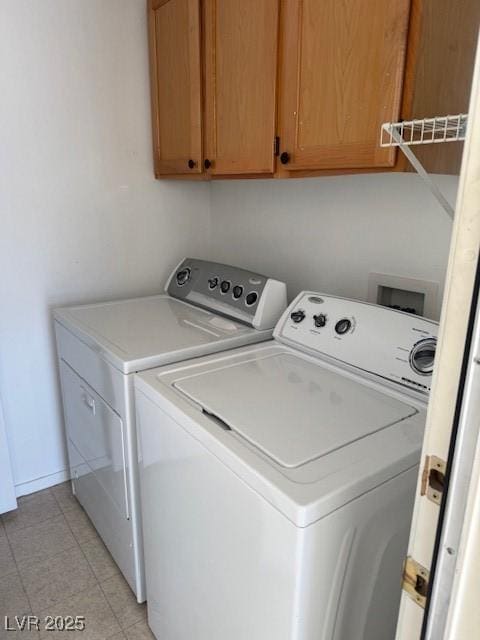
432,607
8,500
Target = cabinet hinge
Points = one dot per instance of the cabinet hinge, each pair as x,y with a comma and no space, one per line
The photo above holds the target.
433,478
415,581
276,146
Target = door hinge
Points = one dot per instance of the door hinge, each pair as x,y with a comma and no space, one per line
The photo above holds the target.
276,146
415,581
433,478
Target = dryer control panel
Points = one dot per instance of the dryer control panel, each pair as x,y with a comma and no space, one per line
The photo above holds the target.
236,293
385,342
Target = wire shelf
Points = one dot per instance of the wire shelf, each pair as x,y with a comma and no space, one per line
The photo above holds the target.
425,131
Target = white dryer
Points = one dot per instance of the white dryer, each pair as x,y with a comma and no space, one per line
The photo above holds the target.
208,307
278,481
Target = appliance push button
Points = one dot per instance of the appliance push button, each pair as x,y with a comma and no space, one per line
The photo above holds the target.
251,298
237,291
225,286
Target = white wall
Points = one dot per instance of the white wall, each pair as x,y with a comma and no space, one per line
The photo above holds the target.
328,234
81,217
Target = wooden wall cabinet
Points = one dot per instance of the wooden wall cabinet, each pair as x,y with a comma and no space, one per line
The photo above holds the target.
213,82
341,76
176,86
287,88
240,54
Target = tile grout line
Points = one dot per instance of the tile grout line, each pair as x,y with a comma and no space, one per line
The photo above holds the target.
59,505
134,624
94,575
79,545
83,554
20,575
63,511
37,524
56,499
50,557
111,608
18,568
76,543
29,526
122,630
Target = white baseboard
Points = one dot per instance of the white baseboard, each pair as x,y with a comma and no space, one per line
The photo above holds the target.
25,488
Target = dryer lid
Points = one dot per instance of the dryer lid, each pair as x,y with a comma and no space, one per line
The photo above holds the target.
141,333
290,408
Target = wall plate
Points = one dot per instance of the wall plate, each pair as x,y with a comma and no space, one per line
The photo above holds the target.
390,290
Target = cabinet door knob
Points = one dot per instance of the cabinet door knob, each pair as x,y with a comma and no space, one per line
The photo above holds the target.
207,164
285,158
192,164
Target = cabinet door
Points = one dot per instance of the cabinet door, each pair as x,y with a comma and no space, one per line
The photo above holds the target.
240,85
341,75
175,73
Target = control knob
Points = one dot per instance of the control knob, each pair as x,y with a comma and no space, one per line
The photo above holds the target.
422,356
183,276
320,320
343,326
298,316
225,286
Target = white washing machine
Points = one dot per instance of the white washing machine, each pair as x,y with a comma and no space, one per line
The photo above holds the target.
278,480
207,308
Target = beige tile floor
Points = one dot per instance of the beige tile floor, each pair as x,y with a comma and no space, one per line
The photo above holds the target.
52,562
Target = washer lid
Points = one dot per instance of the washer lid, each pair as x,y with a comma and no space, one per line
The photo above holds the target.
292,409
143,332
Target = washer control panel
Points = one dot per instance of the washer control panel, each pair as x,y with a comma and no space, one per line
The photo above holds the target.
392,344
237,293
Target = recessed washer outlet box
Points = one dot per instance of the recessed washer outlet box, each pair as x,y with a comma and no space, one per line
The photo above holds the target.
419,297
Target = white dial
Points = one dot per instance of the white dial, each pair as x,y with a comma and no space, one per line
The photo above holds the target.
422,356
